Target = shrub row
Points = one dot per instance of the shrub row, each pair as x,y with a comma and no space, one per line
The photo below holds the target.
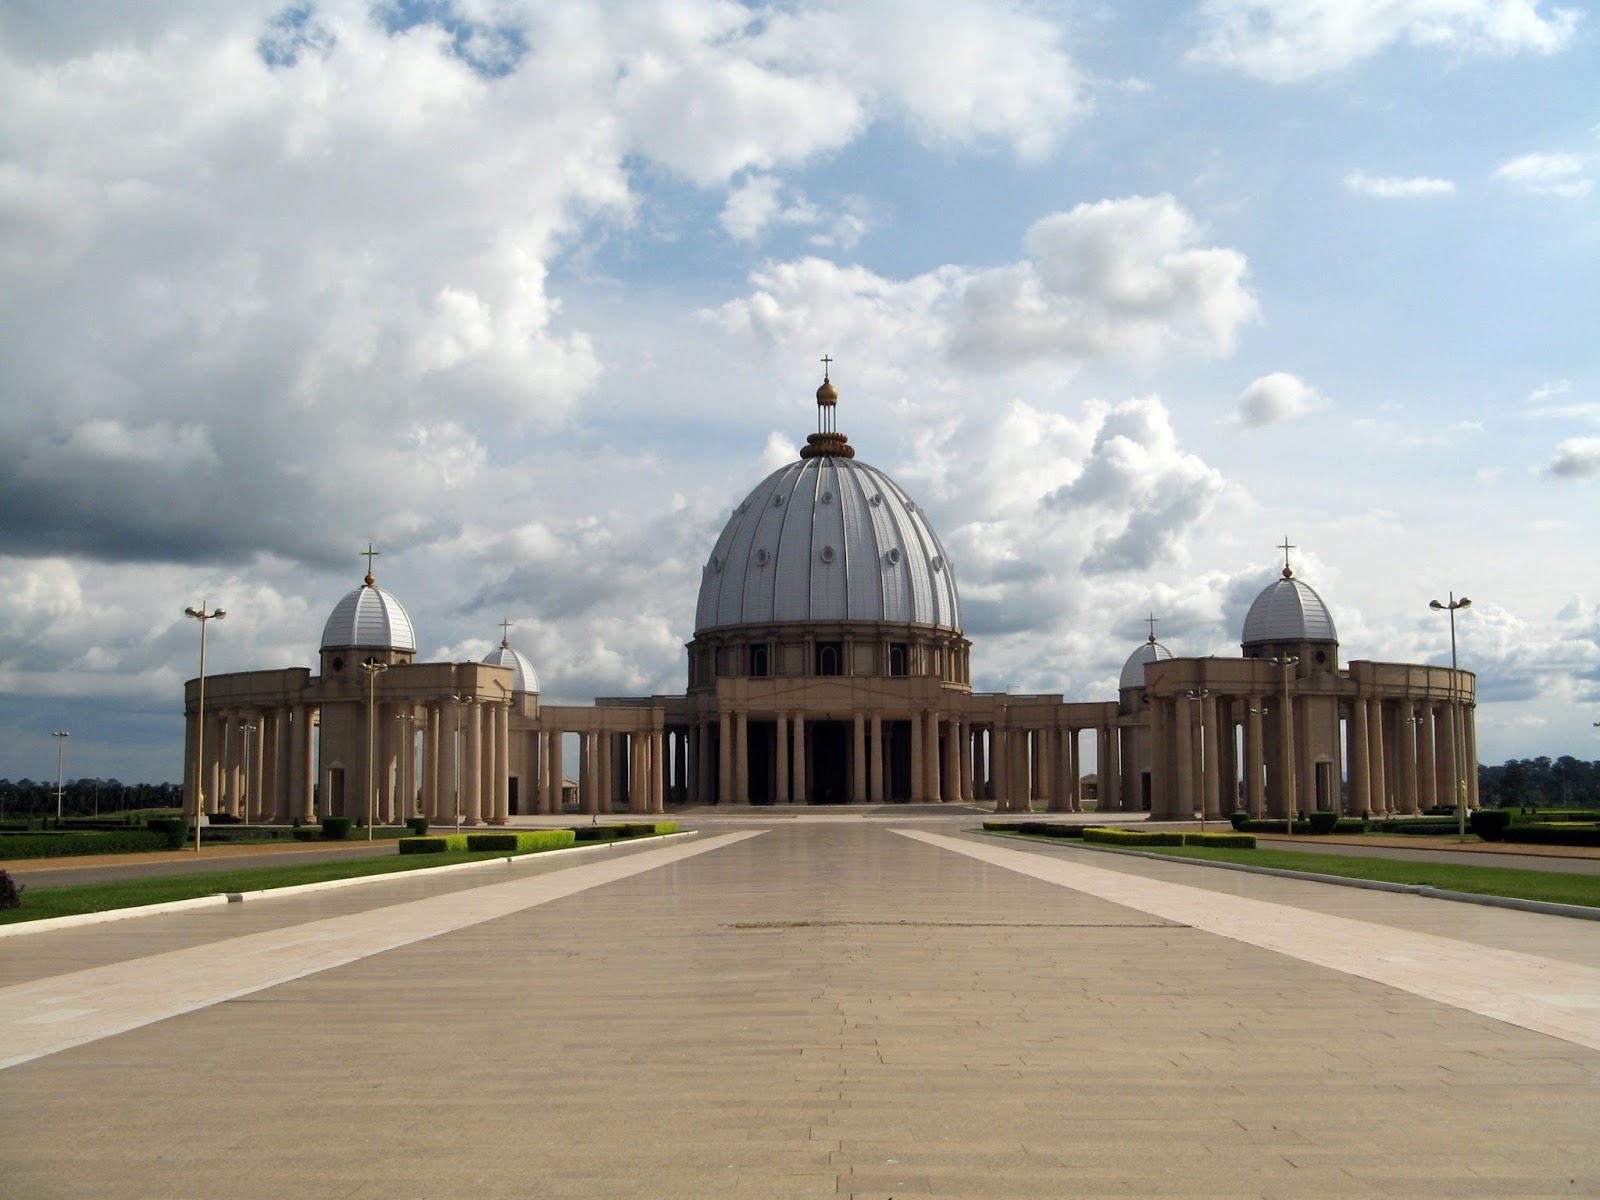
1131,837
1553,834
433,844
1227,841
65,845
529,841
631,829
1036,828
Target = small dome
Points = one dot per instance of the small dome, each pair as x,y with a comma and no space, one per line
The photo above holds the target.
1288,611
369,618
524,679
1133,669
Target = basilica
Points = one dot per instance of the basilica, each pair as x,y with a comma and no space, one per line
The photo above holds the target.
828,667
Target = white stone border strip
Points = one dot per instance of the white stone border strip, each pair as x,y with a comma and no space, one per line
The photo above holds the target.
46,1016
1542,994
298,889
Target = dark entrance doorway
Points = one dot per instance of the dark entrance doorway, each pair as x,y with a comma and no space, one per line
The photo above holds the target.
898,784
512,803
829,773
762,743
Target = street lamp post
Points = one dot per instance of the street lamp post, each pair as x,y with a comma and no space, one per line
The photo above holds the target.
373,668
200,614
1455,714
461,708
244,807
61,736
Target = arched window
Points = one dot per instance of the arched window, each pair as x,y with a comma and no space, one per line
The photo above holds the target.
830,658
898,658
758,661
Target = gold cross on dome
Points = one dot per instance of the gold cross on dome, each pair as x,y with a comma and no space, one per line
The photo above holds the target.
369,554
505,633
1287,546
1151,621
827,362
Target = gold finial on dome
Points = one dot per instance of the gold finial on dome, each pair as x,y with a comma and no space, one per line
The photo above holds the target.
369,554
827,441
1288,571
505,635
827,394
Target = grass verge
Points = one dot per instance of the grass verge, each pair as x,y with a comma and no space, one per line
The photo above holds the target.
39,903
1548,886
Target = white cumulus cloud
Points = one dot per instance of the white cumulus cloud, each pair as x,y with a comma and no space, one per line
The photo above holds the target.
1396,187
1557,174
1289,41
1279,396
1576,458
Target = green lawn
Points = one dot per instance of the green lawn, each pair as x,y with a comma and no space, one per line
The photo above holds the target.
41,902
1549,886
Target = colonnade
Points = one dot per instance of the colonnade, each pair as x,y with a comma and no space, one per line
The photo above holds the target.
455,761
1270,755
945,758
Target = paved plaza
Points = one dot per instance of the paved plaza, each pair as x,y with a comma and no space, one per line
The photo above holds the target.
825,1005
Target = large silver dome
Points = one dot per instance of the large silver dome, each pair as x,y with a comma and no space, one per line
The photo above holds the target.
369,618
1288,611
827,538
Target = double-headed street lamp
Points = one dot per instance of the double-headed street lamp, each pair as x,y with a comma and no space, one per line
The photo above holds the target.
1455,715
373,668
200,614
61,736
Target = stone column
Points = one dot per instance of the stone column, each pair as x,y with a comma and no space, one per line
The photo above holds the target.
858,763
1107,766
930,756
919,786
1469,735
950,792
556,771
1358,738
1451,778
1184,748
782,747
658,799
725,760
741,758
878,758
1073,765
962,731
1427,758
502,763
1000,768
1210,759
472,766
432,735
1406,753
1376,759
1254,762
802,792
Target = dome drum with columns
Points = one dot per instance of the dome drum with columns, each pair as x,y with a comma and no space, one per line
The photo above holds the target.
828,666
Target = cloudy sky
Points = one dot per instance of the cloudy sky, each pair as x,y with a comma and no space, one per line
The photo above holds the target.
530,293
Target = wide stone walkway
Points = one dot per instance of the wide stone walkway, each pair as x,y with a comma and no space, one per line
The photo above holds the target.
812,1007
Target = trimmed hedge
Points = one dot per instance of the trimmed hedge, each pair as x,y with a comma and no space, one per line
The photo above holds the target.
1323,822
417,825
68,845
1131,837
174,829
1232,841
1553,834
1489,823
1035,828
336,829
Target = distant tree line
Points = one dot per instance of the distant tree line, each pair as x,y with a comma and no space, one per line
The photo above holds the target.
84,797
1564,782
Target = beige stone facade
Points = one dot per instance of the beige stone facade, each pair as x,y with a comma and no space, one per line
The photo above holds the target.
830,668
